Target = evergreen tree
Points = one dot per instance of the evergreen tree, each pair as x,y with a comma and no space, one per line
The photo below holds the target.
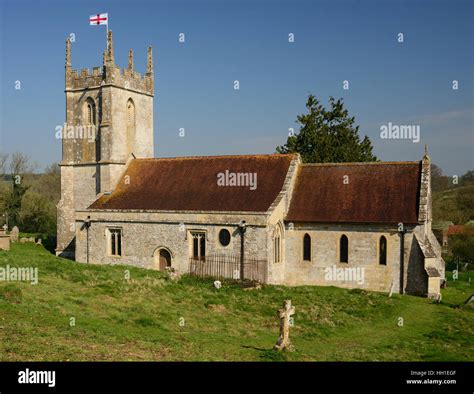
328,136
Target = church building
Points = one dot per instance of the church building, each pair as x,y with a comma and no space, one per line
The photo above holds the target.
353,225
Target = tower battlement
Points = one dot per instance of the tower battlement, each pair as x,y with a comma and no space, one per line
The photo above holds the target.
84,78
109,73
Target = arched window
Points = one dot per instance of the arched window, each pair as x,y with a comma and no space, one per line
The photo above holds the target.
383,250
344,249
307,247
87,139
130,112
130,126
89,112
277,245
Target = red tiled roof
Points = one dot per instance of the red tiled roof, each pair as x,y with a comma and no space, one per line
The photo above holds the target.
376,193
455,229
190,184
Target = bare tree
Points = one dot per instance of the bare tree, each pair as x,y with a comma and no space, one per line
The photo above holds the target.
19,164
439,181
3,163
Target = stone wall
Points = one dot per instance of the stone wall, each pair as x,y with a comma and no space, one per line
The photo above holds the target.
66,214
416,278
276,214
4,241
144,233
142,145
363,253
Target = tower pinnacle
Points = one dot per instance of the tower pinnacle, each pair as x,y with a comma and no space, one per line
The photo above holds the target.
110,49
149,65
68,53
426,156
131,65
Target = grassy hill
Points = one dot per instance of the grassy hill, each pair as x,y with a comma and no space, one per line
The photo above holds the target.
139,319
446,206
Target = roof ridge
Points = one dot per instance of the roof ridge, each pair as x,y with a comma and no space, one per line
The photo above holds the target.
258,155
360,163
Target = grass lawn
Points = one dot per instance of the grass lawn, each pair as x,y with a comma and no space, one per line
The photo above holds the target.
150,317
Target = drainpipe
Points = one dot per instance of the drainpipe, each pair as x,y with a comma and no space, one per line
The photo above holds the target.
402,259
87,224
242,229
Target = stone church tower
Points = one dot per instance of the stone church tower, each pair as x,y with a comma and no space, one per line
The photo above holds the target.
109,117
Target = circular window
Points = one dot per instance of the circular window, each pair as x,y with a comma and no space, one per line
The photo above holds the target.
224,237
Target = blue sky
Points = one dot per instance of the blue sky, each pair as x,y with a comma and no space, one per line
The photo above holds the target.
407,83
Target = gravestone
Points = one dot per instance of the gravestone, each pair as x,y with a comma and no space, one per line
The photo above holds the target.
14,234
284,315
257,286
172,273
391,289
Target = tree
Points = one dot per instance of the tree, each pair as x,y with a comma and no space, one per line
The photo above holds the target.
19,166
439,181
37,214
462,245
3,187
38,210
328,136
49,184
467,178
3,163
465,204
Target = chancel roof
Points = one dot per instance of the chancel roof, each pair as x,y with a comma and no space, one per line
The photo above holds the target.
356,193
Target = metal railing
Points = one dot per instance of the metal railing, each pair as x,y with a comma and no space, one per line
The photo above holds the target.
228,266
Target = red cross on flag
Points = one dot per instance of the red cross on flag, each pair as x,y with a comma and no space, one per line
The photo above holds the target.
99,19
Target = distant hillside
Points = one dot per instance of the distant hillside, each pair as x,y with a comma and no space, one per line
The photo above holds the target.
455,205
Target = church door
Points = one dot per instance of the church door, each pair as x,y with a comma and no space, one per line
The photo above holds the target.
164,259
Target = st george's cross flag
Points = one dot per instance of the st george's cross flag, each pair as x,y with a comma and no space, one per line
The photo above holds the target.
99,19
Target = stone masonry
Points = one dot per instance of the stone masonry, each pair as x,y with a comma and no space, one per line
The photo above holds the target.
109,117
